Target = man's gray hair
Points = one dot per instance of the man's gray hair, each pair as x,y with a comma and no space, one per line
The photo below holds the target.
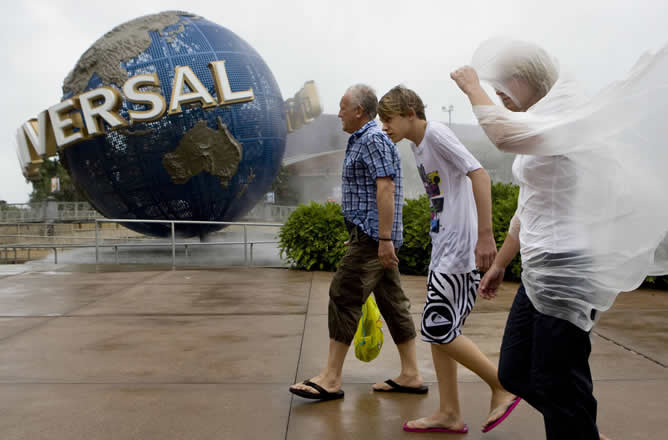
365,97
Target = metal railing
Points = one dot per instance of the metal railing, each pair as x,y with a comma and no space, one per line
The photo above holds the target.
248,245
49,210
15,247
73,211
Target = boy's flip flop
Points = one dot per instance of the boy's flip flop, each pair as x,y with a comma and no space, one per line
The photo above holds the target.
322,393
498,421
464,430
396,388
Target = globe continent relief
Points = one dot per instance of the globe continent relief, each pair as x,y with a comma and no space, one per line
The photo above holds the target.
210,163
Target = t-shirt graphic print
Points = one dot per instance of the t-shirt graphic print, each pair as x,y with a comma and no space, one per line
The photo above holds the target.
431,182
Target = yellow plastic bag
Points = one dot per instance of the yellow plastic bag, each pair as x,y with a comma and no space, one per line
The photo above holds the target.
369,335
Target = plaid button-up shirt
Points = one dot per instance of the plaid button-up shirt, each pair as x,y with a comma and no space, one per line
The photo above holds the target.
371,154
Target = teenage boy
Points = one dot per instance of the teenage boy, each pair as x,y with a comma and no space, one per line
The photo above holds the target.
459,191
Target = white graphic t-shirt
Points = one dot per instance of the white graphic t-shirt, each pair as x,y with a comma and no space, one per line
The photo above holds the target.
443,163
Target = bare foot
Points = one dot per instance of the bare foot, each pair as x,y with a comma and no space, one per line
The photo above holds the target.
501,401
330,385
438,420
404,381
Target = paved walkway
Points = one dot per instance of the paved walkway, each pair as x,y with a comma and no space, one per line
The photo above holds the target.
144,352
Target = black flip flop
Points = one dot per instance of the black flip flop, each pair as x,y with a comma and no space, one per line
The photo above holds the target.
396,388
322,393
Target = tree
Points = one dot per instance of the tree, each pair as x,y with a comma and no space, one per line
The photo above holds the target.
281,187
41,188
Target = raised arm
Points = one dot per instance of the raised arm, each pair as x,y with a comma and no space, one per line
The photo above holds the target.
509,131
469,83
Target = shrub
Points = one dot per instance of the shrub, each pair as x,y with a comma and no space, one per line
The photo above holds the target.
504,204
313,237
415,253
314,234
656,282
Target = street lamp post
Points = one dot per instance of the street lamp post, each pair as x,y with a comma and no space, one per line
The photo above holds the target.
449,109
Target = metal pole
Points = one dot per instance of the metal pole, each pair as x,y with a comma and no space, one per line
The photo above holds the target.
116,253
55,255
251,253
97,244
173,246
28,254
245,245
14,255
449,109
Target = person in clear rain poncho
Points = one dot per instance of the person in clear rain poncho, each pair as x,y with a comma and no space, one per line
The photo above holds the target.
592,215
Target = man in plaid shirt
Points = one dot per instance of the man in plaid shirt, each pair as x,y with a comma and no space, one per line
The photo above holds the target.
372,194
371,156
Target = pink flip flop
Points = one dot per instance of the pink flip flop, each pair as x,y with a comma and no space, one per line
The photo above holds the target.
464,430
505,415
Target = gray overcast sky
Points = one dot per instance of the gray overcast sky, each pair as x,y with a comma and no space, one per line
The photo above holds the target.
336,43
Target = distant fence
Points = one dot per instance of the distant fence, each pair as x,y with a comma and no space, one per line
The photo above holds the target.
50,226
52,211
47,211
9,250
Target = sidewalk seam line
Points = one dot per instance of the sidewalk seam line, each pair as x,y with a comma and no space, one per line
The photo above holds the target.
299,358
630,349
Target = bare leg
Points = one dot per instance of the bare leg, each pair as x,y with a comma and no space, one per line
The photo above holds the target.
602,437
330,377
464,351
449,413
410,375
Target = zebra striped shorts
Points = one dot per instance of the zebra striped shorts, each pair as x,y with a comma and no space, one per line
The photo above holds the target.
450,299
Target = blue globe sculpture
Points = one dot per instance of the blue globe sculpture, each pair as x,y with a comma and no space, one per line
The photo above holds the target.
205,163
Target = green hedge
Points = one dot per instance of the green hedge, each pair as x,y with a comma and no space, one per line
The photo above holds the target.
660,282
504,204
314,235
415,253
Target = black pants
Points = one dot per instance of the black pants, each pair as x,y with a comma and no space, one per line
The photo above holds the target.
545,361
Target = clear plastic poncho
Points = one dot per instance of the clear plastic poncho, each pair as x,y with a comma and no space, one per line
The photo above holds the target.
593,175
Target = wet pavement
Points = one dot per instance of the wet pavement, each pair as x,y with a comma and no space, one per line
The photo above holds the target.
147,352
